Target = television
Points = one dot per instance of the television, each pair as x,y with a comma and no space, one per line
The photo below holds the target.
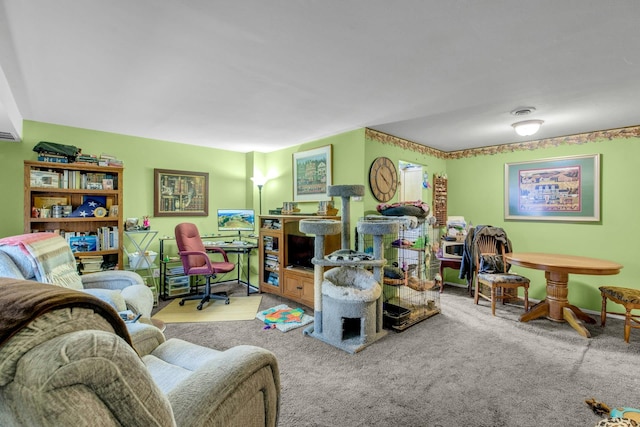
300,251
236,220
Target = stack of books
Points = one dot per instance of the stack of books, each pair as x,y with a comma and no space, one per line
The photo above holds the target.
53,158
87,159
90,264
271,262
110,160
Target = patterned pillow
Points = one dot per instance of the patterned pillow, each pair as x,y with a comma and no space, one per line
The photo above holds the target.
492,264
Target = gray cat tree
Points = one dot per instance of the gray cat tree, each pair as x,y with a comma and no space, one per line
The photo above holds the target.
348,298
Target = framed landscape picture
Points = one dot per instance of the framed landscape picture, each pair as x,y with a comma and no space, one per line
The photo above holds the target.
312,174
557,189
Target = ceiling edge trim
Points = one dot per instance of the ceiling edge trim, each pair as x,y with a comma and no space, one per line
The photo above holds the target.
577,139
385,138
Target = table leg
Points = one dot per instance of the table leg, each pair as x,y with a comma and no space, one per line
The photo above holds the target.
580,314
573,320
453,264
541,309
556,306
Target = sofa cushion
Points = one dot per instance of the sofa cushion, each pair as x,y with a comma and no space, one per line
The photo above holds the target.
44,328
24,264
8,268
175,360
91,372
110,296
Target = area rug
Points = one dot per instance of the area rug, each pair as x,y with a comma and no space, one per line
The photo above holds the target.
284,327
239,308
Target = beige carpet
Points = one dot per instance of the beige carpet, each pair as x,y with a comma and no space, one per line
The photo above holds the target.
239,308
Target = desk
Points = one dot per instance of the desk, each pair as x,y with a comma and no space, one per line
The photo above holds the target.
556,305
233,248
454,263
208,241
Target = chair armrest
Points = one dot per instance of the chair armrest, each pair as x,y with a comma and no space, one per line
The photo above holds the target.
239,387
139,299
111,279
145,337
204,255
136,294
220,251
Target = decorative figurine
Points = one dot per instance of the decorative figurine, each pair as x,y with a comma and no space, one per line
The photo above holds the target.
145,223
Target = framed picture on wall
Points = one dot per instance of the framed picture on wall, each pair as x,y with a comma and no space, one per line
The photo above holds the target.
556,189
312,174
180,193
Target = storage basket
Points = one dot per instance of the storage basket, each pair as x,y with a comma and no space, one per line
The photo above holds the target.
136,261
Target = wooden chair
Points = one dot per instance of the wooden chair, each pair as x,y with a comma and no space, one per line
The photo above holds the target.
491,271
629,299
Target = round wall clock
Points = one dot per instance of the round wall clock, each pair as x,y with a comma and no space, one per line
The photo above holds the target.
383,179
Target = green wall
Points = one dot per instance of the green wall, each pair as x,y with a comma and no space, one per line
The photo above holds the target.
475,190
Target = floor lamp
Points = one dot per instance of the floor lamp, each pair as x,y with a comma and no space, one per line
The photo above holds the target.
259,182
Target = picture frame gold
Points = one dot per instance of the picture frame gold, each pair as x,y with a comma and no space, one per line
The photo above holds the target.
180,193
312,172
48,201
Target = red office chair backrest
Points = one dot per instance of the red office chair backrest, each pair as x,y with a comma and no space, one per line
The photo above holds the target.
188,240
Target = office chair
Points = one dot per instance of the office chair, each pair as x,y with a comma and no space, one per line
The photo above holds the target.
195,261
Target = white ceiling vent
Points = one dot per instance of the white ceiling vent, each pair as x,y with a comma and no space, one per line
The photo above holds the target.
8,136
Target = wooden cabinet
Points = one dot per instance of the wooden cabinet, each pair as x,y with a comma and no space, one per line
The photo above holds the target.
298,286
285,256
53,190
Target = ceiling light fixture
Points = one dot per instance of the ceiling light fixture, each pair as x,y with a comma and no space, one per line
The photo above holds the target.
527,127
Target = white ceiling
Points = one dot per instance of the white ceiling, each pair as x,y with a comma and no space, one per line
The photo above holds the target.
260,75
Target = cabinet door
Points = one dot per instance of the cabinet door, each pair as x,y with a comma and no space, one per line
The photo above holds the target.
298,287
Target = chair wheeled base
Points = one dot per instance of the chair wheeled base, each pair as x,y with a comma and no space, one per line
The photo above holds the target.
208,295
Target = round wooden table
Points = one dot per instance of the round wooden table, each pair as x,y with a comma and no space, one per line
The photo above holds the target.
557,267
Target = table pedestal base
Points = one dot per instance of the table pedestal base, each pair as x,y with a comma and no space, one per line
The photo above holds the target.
556,306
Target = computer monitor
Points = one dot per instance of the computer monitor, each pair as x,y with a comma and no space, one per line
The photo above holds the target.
236,220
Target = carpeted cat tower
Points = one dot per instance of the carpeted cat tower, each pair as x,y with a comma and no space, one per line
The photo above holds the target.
347,299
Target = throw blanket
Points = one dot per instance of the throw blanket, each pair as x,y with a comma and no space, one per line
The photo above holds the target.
283,316
22,301
51,258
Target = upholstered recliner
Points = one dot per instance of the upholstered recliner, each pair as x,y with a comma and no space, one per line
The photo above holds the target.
65,359
47,258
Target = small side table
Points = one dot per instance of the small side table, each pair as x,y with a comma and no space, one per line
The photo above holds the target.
452,263
141,240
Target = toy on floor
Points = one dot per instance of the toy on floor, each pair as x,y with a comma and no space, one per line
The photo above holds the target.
616,417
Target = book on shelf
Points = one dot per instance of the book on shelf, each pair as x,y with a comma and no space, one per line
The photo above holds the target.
90,264
52,158
83,243
107,237
273,279
44,179
177,270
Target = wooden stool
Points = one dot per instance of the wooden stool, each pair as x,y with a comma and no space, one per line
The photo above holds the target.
627,297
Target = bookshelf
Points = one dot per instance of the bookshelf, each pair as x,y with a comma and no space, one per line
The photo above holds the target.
279,273
54,190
